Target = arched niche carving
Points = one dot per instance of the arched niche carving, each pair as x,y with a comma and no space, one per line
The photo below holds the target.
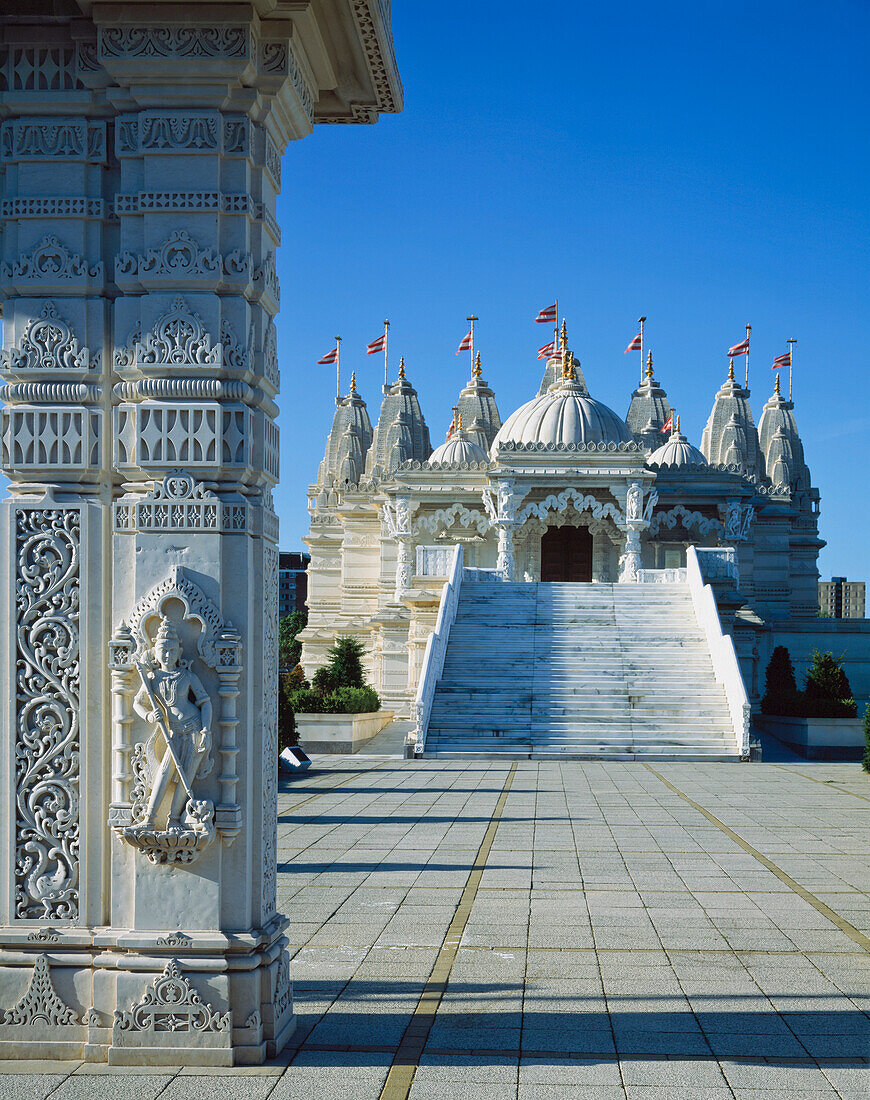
682,516
218,647
445,518
559,503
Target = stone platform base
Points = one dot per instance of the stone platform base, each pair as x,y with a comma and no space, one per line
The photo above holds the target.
817,738
339,733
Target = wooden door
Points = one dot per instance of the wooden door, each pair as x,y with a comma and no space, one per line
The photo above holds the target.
566,554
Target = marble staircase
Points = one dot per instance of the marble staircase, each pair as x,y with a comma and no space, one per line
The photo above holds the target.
579,670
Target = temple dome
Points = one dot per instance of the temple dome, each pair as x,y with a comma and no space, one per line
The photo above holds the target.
564,414
458,448
676,452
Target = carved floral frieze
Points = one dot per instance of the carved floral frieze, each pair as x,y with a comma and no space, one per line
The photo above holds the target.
48,344
171,1004
52,266
41,1003
47,699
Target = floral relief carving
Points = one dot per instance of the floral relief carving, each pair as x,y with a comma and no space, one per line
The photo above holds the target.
558,502
48,343
178,131
47,713
178,337
283,989
270,355
680,515
270,730
51,138
172,1004
174,40
445,518
180,255
41,1004
51,261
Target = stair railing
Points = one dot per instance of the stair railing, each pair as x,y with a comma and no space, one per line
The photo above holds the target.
725,664
433,657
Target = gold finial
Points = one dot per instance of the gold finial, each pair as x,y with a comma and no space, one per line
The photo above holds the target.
563,339
678,425
459,421
476,371
568,372
402,367
776,384
353,381
649,370
730,370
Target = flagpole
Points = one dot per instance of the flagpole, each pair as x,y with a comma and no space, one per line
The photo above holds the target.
791,344
337,372
472,320
640,321
386,338
556,329
748,330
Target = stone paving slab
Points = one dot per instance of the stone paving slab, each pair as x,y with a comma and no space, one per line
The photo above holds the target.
488,930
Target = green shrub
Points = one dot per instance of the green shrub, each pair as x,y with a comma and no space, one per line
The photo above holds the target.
339,687
343,700
325,680
866,761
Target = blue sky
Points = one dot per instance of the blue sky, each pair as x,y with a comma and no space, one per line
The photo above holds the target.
704,165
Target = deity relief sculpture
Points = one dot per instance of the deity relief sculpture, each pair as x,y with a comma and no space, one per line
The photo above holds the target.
172,699
158,803
634,502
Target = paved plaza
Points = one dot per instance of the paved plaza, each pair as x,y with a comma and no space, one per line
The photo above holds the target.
557,931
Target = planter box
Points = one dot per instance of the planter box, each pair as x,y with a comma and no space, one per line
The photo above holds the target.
817,738
339,732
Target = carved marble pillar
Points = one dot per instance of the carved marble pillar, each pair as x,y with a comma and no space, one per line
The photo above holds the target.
502,509
398,517
141,159
636,520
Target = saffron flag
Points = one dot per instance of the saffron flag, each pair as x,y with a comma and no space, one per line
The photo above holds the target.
330,357
377,345
547,316
635,345
547,350
782,361
740,349
452,427
669,425
466,343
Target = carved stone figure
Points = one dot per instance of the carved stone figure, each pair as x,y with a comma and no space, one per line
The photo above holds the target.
634,502
174,701
732,520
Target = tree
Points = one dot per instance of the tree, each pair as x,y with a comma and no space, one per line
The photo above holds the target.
289,649
780,690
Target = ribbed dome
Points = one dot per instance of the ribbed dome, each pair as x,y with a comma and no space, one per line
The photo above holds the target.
676,452
458,448
565,414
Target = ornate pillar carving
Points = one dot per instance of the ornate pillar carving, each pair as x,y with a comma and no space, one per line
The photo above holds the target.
636,520
140,153
502,511
398,518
